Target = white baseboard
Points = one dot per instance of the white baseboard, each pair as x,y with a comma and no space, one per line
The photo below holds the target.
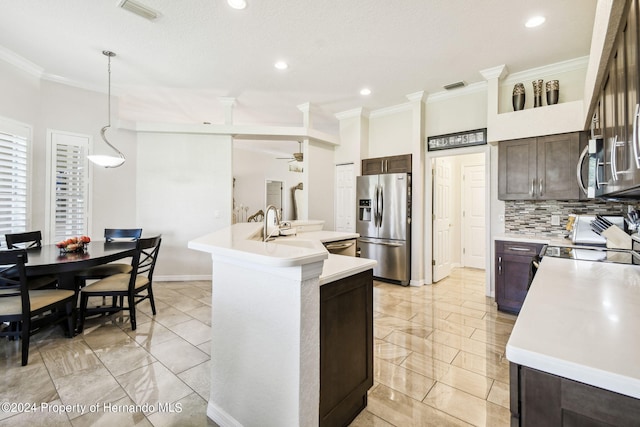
220,416
176,278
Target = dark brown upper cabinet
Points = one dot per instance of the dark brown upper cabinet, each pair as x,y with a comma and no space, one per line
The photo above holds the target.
391,164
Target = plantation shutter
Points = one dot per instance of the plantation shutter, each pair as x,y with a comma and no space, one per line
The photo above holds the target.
13,182
70,191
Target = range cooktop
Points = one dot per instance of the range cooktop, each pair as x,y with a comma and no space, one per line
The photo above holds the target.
592,254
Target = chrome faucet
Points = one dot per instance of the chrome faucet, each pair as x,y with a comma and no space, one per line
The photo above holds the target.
266,216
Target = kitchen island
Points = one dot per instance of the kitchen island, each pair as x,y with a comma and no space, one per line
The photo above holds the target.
280,312
575,347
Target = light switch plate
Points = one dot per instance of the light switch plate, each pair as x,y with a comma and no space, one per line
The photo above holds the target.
555,219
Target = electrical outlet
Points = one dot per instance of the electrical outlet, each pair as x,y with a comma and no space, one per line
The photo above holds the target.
555,219
501,218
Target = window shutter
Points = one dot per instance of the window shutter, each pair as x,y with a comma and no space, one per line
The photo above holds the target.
13,183
70,186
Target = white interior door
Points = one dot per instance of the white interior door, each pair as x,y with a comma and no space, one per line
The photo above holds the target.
473,219
345,198
441,219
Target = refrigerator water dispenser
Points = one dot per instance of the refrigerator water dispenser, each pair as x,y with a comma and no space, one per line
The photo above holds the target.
365,210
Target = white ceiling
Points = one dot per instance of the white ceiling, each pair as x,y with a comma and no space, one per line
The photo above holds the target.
175,68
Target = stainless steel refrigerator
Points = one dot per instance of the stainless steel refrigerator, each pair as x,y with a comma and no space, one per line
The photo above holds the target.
384,224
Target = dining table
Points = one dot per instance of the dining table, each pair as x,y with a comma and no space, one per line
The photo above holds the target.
51,260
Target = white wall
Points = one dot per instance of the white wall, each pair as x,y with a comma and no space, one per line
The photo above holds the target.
184,191
251,169
456,113
391,132
321,183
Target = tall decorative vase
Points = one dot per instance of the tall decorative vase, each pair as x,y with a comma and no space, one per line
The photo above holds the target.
518,97
553,92
537,93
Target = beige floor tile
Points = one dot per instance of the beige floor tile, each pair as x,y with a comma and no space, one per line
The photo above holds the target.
383,350
495,367
198,378
116,414
151,334
190,411
124,358
499,394
193,331
68,357
153,384
171,316
402,379
423,346
42,417
178,355
473,410
205,347
467,381
87,388
425,365
367,419
402,411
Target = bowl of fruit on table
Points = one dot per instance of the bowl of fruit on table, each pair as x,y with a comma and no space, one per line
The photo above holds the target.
73,244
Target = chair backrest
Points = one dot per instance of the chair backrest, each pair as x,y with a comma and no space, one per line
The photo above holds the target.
144,261
11,284
122,234
28,240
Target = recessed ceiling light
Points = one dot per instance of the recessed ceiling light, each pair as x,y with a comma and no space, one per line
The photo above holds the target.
365,91
281,65
237,4
535,21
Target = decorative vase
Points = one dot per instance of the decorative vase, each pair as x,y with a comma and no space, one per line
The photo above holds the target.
553,92
537,93
518,97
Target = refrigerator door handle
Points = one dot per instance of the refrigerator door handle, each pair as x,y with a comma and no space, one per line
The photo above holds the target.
381,208
377,212
394,245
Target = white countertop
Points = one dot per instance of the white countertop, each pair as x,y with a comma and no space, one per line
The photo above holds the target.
581,320
240,241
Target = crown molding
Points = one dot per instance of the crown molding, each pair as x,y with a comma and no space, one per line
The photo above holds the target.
496,72
356,112
549,70
394,109
417,96
20,62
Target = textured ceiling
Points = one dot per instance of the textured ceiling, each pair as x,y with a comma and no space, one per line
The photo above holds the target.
175,68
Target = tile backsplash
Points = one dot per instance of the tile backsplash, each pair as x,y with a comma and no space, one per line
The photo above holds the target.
534,217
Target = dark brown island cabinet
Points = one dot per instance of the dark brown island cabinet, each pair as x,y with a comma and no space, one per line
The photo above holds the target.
512,270
346,348
541,399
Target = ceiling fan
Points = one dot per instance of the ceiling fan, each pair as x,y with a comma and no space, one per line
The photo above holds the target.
297,157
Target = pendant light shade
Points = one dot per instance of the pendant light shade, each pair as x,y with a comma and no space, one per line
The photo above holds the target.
101,159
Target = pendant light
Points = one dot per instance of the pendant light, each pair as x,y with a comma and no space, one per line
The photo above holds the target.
100,159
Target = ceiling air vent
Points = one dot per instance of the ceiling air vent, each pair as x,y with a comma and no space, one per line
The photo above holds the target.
455,85
139,9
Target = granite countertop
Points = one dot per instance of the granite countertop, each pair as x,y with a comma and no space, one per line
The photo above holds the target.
581,320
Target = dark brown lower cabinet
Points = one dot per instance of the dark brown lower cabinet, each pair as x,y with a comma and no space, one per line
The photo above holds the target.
346,348
541,399
513,266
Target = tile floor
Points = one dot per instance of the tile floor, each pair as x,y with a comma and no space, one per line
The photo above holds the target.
439,360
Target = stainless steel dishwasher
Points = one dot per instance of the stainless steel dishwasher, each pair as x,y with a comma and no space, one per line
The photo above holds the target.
342,247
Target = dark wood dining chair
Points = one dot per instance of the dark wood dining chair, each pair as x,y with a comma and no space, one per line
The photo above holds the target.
25,310
98,272
129,289
30,240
